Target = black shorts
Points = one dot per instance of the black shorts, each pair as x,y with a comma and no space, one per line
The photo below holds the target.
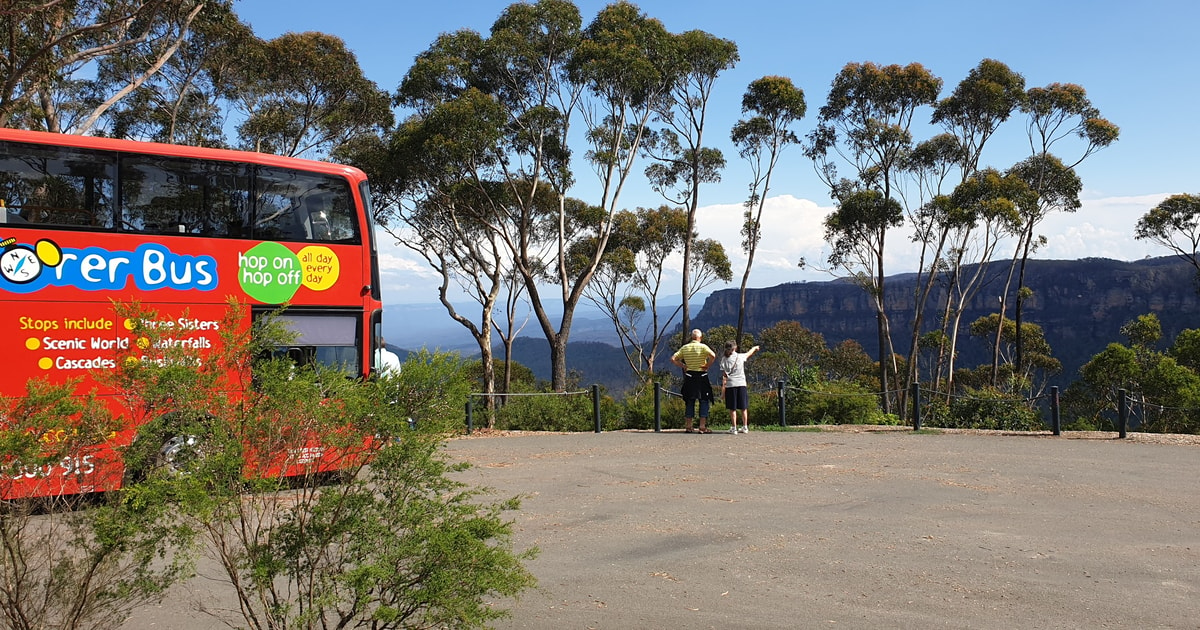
737,398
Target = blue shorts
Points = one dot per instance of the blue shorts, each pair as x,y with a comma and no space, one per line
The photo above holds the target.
691,407
737,398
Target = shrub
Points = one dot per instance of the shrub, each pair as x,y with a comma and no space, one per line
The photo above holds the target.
570,412
62,566
396,544
989,408
844,402
638,410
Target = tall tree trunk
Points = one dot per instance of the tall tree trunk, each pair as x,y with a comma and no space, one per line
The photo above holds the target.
1021,302
742,299
1000,324
488,363
687,278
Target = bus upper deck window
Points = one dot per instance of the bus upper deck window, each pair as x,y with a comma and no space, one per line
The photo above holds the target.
184,196
57,186
298,206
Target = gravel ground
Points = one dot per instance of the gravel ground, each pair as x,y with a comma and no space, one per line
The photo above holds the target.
848,527
851,527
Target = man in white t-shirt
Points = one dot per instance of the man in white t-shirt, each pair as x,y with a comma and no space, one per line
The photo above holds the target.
733,385
386,361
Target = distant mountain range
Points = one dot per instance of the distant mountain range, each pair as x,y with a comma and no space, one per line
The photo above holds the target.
1080,304
414,326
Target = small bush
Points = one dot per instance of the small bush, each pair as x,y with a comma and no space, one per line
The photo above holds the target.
764,409
843,402
637,410
989,409
571,412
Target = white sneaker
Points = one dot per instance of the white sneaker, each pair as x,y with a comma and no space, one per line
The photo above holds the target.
744,430
733,430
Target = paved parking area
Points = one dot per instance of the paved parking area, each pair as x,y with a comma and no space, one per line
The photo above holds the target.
879,529
850,530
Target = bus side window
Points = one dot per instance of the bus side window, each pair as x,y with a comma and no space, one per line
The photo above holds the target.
57,185
296,206
178,196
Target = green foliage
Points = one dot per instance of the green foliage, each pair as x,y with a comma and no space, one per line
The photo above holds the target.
1143,332
637,410
550,411
1175,224
784,345
812,399
1162,389
50,46
64,567
432,388
1171,402
305,94
395,544
985,408
842,402
716,338
1186,349
764,408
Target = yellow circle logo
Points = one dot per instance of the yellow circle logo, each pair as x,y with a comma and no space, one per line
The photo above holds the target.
319,266
45,363
33,343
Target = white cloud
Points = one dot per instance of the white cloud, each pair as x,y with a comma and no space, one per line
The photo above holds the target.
792,230
1102,228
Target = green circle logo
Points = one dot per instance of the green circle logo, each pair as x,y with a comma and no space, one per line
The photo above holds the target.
270,273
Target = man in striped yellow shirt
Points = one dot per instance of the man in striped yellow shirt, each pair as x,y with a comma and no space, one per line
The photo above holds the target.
694,358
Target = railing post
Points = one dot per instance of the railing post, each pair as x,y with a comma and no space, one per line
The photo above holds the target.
657,407
1055,418
470,421
782,404
1122,413
596,406
916,407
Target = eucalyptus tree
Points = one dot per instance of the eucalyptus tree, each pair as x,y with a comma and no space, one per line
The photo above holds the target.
506,108
630,279
866,124
304,94
856,233
1056,113
49,47
951,235
790,347
439,211
774,104
1165,385
187,101
1174,224
542,71
980,212
1053,186
1041,361
681,161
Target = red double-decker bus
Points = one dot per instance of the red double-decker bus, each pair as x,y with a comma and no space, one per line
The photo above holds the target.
87,222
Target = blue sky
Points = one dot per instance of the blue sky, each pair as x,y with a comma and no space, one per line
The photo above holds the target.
1138,64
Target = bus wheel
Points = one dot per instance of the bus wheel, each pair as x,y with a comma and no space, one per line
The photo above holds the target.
177,453
167,445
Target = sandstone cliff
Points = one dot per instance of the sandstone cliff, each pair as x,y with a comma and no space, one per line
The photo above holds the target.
1080,304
